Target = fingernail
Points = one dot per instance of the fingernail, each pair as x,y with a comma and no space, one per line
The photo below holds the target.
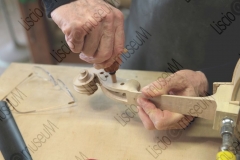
82,56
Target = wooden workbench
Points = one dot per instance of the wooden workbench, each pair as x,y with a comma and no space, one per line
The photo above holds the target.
93,127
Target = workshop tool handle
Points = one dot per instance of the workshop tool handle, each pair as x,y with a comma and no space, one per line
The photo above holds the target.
114,67
225,155
12,144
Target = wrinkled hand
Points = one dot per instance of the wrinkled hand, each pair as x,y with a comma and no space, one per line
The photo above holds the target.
94,28
183,82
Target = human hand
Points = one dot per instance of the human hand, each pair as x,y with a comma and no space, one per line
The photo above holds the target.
94,28
184,83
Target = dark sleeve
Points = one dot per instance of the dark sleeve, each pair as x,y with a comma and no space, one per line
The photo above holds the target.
219,73
50,5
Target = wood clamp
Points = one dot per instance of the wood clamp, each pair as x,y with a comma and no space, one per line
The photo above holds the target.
224,103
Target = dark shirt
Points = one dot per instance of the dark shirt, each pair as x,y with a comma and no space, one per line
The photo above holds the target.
176,29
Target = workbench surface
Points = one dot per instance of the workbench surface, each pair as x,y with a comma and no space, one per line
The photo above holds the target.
93,128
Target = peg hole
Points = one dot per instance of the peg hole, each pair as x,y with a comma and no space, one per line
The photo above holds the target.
122,84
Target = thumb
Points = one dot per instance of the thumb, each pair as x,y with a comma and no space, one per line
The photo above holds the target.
173,84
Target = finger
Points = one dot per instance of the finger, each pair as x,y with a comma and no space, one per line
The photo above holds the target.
145,119
92,40
85,57
75,40
175,84
182,123
119,37
105,48
91,43
156,88
102,65
161,119
109,62
103,53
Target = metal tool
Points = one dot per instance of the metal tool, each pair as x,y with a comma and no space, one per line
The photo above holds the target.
226,150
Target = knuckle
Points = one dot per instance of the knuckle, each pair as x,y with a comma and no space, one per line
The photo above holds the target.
159,125
66,29
73,41
119,15
77,27
109,18
72,27
77,38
